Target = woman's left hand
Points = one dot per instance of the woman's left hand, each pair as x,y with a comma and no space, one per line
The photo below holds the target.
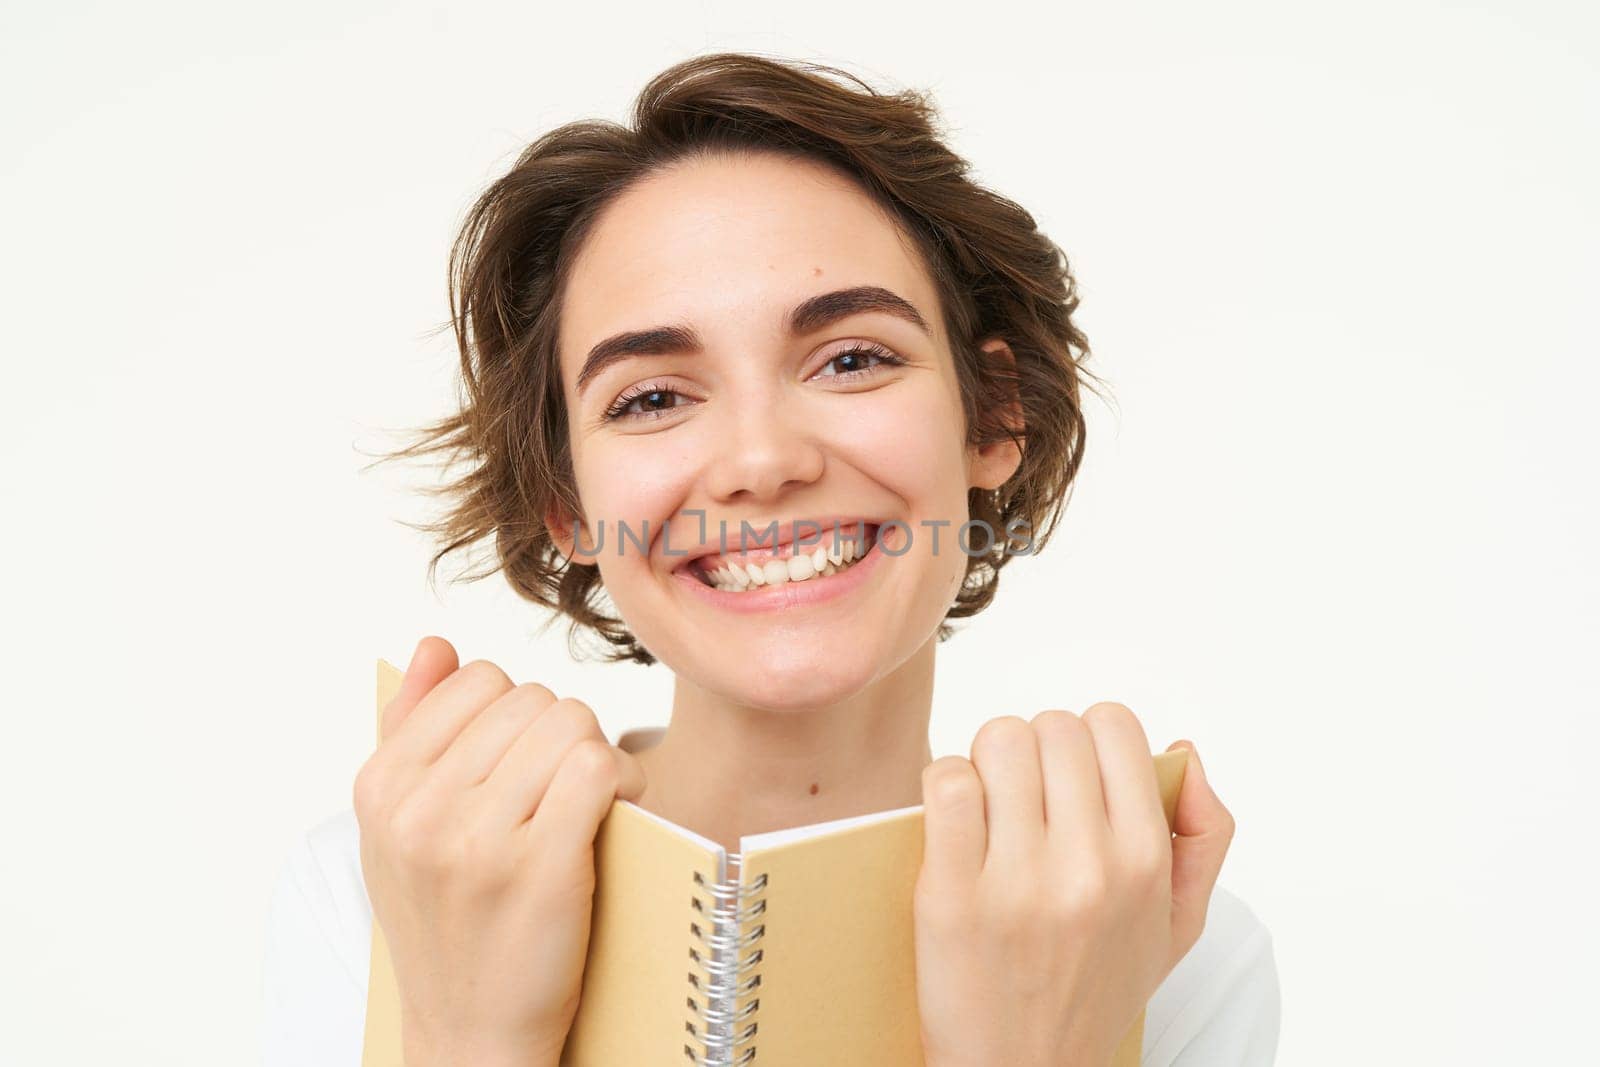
1053,900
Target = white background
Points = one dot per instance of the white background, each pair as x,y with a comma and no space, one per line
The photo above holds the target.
1337,264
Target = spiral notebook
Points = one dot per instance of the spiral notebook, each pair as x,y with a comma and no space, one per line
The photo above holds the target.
795,951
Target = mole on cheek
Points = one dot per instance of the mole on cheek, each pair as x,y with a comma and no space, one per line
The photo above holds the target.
813,788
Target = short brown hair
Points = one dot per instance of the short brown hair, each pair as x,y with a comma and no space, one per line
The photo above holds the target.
995,273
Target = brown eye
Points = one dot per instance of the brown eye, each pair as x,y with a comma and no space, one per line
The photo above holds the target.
646,402
857,361
655,399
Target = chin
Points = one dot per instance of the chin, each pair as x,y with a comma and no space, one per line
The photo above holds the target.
787,682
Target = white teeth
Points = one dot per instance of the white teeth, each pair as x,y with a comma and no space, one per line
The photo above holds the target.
824,562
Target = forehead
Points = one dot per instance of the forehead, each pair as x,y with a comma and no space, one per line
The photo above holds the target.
728,245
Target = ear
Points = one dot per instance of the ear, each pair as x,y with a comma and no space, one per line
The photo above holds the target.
564,530
990,465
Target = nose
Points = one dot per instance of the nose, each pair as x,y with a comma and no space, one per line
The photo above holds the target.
763,451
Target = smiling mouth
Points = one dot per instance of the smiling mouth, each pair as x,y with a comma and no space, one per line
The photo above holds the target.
739,572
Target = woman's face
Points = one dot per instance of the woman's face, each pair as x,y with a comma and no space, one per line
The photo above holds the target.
722,411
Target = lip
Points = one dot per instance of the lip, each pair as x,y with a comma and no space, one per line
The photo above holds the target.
759,543
789,595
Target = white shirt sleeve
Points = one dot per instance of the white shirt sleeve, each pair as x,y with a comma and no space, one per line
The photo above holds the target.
318,938
1220,1006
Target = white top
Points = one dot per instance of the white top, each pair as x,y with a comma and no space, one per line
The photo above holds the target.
1218,1008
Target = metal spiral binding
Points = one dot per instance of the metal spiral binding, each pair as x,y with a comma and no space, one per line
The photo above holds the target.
724,970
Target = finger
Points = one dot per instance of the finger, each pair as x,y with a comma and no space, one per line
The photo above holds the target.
1127,773
1204,829
484,741
586,784
631,781
1006,755
953,831
518,783
433,661
1074,801
427,732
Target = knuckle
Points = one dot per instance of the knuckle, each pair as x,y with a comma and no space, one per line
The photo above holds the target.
479,849
1109,716
946,766
414,837
1059,911
533,696
1056,721
487,675
523,705
1108,711
469,847
1087,892
1062,907
1003,727
576,718
591,760
951,782
1150,861
1000,736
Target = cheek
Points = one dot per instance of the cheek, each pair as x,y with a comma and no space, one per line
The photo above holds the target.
630,479
912,444
908,439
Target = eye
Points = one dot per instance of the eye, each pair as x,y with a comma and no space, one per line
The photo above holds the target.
858,361
648,401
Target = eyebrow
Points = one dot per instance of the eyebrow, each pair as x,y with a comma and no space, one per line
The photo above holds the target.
811,314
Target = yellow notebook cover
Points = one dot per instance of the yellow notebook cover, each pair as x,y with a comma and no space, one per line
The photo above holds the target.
813,962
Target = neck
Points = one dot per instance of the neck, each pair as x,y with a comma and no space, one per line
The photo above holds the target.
724,769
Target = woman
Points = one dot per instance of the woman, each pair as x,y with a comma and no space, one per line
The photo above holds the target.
773,306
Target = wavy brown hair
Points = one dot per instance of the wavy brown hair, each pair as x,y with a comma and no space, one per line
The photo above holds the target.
506,448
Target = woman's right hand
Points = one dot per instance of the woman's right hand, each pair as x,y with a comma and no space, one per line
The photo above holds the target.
478,813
